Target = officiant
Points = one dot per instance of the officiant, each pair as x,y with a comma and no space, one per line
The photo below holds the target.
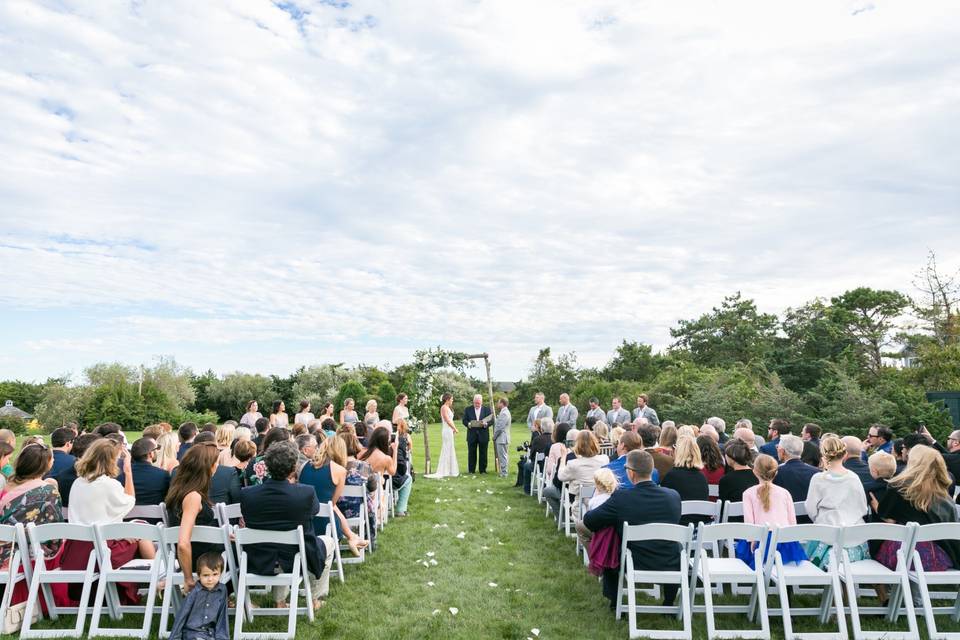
477,419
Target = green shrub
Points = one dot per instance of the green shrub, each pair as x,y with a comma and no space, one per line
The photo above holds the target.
13,423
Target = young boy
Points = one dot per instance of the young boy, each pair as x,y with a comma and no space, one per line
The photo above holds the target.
203,615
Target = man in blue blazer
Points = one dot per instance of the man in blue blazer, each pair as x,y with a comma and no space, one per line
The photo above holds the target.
62,442
645,503
794,474
149,482
281,504
477,436
778,427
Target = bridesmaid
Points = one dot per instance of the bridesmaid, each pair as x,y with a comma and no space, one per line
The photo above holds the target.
348,414
279,416
400,412
371,416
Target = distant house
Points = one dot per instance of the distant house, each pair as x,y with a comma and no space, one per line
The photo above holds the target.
504,387
9,410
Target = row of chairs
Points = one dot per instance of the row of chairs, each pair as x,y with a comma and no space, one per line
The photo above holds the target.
709,564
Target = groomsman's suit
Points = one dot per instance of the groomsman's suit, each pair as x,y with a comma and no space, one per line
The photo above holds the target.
538,413
501,439
568,413
648,413
477,439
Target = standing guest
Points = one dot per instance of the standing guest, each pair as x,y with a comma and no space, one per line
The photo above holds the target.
327,474
951,454
617,414
348,414
326,412
778,427
686,475
645,411
879,438
794,474
189,506
27,497
721,426
252,414
167,455
643,503
476,419
224,437
66,478
836,498
663,463
627,442
580,470
227,480
740,477
771,505
596,411
278,417
96,497
304,416
539,411
400,412
852,460
187,433
257,471
6,452
567,412
404,452
150,482
501,436
371,417
714,465
203,614
10,438
667,440
62,442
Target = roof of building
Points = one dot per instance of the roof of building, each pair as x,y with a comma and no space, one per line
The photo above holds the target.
9,410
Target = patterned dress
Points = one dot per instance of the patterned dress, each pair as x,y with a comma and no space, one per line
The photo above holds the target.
40,505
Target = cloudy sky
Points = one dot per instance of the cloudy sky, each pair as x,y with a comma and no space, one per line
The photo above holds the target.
254,185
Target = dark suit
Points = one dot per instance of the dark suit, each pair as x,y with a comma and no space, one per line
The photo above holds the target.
794,476
477,439
149,482
225,485
277,505
645,503
183,449
770,449
61,461
65,481
859,467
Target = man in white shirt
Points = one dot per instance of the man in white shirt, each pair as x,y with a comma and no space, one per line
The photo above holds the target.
538,411
567,412
645,411
617,414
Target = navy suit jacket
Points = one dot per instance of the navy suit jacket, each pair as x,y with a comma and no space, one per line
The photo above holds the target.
645,503
470,414
149,482
794,476
61,462
771,449
183,449
859,467
277,505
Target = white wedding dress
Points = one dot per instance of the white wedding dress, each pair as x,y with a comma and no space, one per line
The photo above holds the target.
447,467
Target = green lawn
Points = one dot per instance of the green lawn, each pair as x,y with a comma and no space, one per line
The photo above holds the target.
511,572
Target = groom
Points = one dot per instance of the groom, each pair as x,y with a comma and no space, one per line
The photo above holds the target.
477,419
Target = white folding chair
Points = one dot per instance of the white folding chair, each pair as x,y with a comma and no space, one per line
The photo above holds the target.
148,512
536,483
713,490
391,496
174,578
137,571
713,570
564,517
707,509
806,574
871,572
581,504
42,578
225,513
298,576
379,514
359,522
630,577
12,535
732,510
924,579
800,508
326,511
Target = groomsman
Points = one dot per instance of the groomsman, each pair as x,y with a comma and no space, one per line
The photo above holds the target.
476,419
617,414
567,412
644,410
596,411
538,411
501,436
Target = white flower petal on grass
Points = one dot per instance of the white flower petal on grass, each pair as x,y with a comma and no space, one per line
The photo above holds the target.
433,562
454,611
508,508
462,535
490,530
436,526
499,543
478,490
436,611
437,501
485,548
535,632
489,492
510,563
430,554
426,564
430,584
492,584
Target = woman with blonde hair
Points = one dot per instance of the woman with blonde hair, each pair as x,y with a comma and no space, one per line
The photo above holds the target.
327,474
371,416
168,444
224,437
686,477
688,430
348,415
920,494
578,471
602,432
615,434
835,498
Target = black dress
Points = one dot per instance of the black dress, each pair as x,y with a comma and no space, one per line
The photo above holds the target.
691,484
204,519
733,484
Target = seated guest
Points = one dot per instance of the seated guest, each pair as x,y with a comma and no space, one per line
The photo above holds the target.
590,422
167,454
643,503
189,505
580,470
558,450
540,443
327,474
227,480
6,452
740,477
187,433
224,438
382,457
601,431
615,434
794,474
66,477
150,482
768,504
721,427
307,446
920,494
648,437
686,477
28,498
628,442
667,440
811,444
260,430
714,466
853,462
257,471
709,430
96,497
62,442
883,467
899,455
280,504
836,498
746,434
879,438
153,431
11,439
777,429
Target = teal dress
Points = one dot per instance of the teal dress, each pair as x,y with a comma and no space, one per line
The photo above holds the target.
322,482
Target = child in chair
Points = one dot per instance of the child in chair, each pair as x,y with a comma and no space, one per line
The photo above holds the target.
203,614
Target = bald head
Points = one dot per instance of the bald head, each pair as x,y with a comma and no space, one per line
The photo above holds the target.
710,430
746,435
853,445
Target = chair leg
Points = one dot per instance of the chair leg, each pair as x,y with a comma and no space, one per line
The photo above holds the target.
240,614
708,599
686,607
852,600
151,598
165,606
785,613
928,614
762,602
32,594
98,600
908,603
632,606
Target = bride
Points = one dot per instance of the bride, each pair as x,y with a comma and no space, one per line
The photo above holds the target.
448,456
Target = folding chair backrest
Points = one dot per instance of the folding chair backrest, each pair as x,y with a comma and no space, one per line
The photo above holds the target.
860,533
540,458
226,512
587,490
800,508
60,531
245,536
700,508
713,490
353,491
325,511
731,531
656,531
131,530
804,532
147,512
207,535
937,531
732,510
8,534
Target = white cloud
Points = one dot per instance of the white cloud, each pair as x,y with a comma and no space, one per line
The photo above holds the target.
258,185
